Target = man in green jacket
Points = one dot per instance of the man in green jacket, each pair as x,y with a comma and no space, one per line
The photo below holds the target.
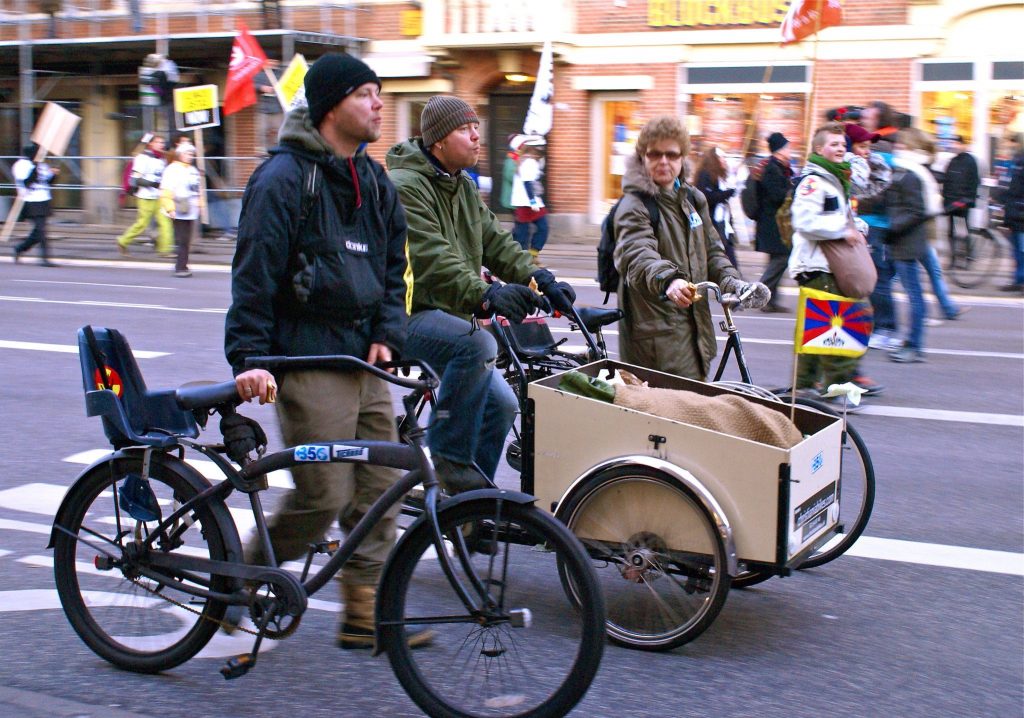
452,235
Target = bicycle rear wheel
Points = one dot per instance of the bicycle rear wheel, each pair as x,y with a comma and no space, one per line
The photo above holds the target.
140,623
528,651
856,491
975,258
661,560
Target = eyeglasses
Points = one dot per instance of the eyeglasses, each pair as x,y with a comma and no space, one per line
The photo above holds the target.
655,156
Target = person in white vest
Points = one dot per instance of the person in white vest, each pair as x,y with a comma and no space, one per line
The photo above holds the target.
179,197
33,179
147,170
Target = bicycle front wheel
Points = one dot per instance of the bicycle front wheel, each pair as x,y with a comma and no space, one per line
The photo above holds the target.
856,491
975,258
137,622
661,560
526,650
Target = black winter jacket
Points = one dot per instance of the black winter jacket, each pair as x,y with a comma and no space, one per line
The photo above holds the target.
1013,198
961,180
353,241
776,182
907,237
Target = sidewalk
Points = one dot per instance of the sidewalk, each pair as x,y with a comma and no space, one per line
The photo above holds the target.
573,256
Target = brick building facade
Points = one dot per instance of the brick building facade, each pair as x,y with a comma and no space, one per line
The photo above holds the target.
952,65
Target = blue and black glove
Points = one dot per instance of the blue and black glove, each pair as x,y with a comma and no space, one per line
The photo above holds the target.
560,294
512,301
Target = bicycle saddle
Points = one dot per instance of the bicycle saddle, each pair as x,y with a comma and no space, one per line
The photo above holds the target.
596,317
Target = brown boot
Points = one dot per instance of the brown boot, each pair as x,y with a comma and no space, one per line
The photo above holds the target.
357,622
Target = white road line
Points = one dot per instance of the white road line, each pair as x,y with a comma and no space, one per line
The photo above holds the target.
4,552
68,348
277,479
115,305
966,417
924,554
145,266
98,284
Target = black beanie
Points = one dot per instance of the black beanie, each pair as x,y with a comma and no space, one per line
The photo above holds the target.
776,141
331,79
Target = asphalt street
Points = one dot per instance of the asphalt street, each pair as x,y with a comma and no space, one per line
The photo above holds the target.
924,616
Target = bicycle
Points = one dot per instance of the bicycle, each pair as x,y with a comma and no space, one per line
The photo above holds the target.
147,558
693,588
977,253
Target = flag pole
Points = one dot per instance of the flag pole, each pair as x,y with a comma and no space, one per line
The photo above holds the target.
814,84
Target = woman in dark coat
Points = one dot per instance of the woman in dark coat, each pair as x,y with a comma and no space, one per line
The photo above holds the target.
712,177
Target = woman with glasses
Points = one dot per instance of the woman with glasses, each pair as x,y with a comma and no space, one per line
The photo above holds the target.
665,243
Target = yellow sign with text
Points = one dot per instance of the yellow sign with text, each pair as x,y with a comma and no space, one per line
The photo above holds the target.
701,13
291,81
193,99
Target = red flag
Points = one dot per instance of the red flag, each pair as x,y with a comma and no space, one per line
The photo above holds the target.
247,59
802,18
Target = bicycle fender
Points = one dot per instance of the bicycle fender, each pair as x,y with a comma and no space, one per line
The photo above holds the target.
218,509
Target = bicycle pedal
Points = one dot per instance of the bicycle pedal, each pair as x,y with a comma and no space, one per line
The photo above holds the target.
237,666
329,546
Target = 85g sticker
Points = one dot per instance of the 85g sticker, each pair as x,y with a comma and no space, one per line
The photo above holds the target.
312,452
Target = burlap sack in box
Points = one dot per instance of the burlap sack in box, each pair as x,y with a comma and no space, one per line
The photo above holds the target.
726,413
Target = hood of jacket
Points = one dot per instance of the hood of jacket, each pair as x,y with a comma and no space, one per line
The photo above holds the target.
409,155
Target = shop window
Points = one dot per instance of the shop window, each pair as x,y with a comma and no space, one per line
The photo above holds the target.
945,113
1006,123
724,120
621,129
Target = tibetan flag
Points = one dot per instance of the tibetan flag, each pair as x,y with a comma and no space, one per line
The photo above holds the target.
247,59
807,17
831,324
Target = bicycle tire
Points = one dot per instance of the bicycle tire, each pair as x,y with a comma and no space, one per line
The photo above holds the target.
975,258
662,561
858,492
484,665
138,623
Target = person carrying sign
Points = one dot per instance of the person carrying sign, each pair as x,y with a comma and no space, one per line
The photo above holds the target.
34,178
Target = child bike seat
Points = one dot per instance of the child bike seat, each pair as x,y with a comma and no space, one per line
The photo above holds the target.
530,340
115,390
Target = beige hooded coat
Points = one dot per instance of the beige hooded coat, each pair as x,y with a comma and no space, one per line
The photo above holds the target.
656,333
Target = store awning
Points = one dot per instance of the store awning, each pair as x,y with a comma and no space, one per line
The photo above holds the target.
95,56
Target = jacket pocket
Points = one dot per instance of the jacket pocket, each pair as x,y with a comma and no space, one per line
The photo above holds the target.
346,284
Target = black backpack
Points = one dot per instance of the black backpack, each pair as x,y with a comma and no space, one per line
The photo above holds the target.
607,274
750,198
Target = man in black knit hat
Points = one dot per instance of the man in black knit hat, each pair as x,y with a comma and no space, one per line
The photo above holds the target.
351,239
451,235
773,186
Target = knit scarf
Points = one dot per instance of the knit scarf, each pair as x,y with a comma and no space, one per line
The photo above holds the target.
841,170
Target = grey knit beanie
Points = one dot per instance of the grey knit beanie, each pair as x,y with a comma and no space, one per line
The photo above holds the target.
331,79
441,115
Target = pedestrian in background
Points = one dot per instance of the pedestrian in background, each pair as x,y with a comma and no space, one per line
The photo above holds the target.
179,195
773,186
912,200
33,179
713,180
147,170
531,221
1013,216
960,184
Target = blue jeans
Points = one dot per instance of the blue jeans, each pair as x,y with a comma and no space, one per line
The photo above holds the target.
881,297
906,270
521,233
930,262
1017,239
481,406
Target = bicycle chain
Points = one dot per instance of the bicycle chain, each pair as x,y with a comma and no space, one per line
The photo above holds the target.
229,627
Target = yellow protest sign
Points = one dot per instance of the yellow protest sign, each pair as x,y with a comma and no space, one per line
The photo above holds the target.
291,81
196,107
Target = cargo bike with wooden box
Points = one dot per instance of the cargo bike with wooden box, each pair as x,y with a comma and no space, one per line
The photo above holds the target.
672,513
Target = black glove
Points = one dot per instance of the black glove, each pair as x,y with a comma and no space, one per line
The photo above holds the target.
560,294
241,435
512,301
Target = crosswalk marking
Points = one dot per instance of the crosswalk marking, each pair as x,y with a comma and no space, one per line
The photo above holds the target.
280,479
925,554
69,349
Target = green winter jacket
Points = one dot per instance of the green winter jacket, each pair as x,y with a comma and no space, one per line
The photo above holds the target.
656,333
451,234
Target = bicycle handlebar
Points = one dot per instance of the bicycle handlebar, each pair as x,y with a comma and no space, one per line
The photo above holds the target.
342,361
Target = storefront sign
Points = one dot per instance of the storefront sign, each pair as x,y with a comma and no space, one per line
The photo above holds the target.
700,13
411,23
196,107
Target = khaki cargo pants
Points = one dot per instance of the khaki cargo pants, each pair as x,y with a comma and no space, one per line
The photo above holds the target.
324,406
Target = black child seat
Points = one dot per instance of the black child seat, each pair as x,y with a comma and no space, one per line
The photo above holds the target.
115,390
530,340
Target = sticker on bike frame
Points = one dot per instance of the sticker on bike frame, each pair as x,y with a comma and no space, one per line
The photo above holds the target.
817,462
352,453
312,452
